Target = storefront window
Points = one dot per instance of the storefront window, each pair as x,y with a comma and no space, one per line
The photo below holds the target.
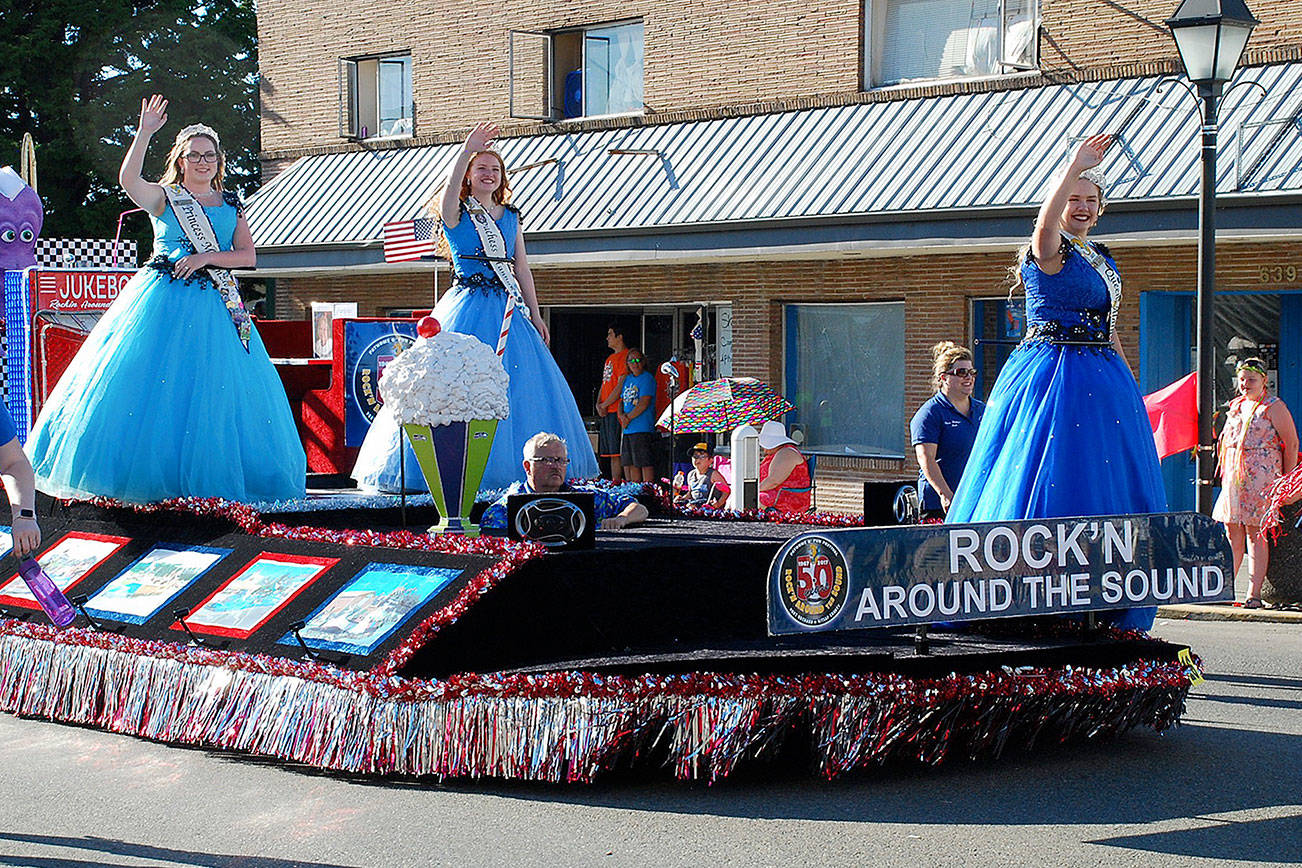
845,374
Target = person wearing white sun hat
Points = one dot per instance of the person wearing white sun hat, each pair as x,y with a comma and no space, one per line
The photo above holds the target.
784,482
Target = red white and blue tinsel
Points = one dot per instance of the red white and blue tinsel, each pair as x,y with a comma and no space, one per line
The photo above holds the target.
563,726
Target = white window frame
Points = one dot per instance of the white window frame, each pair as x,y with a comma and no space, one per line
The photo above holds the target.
555,110
359,97
874,48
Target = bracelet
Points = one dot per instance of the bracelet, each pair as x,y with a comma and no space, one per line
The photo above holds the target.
26,513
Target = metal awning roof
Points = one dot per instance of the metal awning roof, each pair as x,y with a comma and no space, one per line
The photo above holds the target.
851,173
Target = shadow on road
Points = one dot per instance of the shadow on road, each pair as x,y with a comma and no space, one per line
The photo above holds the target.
1276,840
94,846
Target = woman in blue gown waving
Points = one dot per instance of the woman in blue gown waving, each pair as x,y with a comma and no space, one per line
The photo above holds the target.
1065,432
490,276
172,394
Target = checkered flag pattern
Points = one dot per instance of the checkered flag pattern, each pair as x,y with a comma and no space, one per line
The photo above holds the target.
84,253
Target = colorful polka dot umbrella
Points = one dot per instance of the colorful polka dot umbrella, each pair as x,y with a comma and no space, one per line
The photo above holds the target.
721,405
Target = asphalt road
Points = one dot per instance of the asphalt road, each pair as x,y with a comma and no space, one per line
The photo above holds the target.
1226,786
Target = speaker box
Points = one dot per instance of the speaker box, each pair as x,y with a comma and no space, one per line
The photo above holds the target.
880,503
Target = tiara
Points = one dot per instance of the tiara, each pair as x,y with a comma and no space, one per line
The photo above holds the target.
1096,177
198,130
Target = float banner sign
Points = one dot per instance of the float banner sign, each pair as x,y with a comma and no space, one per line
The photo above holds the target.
77,289
368,347
888,577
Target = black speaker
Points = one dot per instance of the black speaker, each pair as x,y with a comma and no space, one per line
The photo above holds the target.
890,503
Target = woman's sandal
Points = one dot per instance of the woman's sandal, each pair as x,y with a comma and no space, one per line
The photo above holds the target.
1253,603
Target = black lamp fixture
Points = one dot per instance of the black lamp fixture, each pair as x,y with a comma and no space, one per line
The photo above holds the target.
1210,36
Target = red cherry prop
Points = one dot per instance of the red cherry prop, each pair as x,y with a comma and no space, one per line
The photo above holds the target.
428,327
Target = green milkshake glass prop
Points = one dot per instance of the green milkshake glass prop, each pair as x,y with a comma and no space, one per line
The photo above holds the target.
448,391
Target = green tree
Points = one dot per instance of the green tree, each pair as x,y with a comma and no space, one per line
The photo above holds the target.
72,73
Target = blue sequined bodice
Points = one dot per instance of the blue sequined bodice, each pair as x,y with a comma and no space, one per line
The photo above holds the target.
1072,305
463,239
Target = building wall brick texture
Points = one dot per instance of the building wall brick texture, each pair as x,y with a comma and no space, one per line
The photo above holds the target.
700,55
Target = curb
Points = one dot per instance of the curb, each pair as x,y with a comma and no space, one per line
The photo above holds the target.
1223,612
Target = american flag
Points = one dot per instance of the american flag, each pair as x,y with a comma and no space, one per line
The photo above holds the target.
409,240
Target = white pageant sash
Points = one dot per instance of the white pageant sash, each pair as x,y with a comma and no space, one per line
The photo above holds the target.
1111,278
495,250
198,228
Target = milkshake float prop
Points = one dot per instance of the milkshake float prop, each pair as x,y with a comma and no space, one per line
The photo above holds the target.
448,392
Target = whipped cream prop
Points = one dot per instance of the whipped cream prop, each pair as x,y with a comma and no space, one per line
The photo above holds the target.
448,391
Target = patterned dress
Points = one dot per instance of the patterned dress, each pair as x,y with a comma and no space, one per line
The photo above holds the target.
1252,457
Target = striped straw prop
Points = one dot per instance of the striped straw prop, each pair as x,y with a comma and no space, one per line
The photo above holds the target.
506,325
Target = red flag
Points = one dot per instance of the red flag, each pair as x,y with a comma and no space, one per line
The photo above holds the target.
1173,415
409,240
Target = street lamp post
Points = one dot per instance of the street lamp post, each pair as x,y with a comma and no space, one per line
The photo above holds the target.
1210,36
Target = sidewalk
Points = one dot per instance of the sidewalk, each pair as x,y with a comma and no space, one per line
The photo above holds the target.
1228,611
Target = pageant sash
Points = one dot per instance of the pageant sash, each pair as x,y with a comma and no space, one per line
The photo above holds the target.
198,228
1111,279
495,251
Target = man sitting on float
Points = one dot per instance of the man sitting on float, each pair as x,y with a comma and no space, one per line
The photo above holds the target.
545,459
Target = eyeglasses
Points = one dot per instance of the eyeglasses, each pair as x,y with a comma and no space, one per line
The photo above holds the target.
962,372
550,460
637,361
210,157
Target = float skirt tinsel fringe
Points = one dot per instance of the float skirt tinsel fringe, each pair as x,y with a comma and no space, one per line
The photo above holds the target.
564,726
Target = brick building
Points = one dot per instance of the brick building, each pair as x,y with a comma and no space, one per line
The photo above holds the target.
832,186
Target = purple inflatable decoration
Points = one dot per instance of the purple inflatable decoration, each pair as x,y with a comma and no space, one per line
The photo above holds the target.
21,216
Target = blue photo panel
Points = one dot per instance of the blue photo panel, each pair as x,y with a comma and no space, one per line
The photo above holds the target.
6,539
367,610
138,593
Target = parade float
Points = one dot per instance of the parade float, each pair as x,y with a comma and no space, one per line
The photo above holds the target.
336,632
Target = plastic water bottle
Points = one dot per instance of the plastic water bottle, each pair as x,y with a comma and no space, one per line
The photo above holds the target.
46,592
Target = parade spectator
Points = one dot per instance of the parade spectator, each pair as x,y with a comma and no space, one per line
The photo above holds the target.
546,457
784,482
1257,446
945,427
609,432
20,486
637,418
703,485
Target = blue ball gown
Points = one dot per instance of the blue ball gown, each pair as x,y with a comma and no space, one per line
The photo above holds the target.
540,398
1065,432
162,400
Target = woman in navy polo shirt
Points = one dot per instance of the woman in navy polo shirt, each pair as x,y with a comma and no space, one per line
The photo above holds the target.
944,429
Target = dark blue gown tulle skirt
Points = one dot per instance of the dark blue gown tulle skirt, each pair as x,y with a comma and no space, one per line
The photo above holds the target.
162,401
540,400
1065,433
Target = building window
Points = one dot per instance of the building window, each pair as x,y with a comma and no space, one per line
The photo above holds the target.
998,326
929,39
586,72
845,374
375,100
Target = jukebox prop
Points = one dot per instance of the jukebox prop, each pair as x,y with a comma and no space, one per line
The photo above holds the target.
47,314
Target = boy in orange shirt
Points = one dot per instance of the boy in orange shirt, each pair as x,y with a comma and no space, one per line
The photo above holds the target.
612,374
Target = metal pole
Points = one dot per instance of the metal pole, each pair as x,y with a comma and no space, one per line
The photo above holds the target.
1211,96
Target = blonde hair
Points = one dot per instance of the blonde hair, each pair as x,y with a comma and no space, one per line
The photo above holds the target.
944,355
173,173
